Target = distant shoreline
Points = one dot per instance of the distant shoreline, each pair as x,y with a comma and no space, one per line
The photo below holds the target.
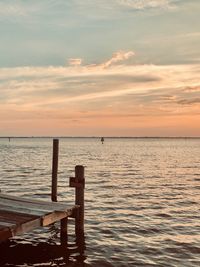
97,137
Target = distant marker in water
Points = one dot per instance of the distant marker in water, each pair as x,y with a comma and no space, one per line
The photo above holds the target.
9,139
102,140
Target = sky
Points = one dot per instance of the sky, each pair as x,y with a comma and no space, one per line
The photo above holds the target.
100,68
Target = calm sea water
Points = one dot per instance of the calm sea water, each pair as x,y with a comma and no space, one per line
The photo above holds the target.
142,198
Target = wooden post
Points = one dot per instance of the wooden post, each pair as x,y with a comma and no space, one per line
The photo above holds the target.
63,232
79,183
54,170
79,199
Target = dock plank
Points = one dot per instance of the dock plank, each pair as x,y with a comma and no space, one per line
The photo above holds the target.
42,203
16,223
23,210
9,202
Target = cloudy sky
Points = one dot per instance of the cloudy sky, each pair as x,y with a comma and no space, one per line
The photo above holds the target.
100,68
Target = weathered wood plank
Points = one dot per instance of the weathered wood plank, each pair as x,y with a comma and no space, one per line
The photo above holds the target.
5,224
18,204
42,203
15,218
15,223
56,216
14,230
31,209
22,210
26,226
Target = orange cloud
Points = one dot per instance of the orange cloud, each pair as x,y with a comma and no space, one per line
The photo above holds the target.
81,96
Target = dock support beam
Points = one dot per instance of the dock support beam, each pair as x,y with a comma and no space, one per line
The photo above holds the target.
63,232
54,170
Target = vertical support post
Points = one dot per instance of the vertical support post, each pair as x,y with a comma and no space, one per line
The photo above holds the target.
54,170
79,200
63,232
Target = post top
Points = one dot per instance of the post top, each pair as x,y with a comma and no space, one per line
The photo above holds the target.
79,172
79,166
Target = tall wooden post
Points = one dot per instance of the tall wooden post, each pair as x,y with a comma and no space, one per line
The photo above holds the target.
79,199
79,183
54,170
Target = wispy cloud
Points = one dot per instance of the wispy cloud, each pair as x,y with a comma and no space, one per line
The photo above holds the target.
191,89
189,101
75,61
143,4
54,87
13,9
118,57
18,8
131,4
88,98
29,11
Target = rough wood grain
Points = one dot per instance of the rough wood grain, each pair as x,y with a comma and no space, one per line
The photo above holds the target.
42,203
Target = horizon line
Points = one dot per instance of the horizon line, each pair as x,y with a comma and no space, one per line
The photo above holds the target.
184,137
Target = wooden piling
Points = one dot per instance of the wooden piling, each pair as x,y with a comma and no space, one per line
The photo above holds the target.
79,199
63,232
54,170
79,183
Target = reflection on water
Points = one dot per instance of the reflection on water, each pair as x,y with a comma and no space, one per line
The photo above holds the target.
22,252
142,201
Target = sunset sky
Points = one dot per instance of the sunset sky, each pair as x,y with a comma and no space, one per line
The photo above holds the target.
100,68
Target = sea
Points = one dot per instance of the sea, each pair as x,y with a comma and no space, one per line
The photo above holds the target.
142,200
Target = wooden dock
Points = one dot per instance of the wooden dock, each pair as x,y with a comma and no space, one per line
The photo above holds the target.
19,215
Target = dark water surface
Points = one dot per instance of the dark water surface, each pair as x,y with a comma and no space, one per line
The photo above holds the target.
142,200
